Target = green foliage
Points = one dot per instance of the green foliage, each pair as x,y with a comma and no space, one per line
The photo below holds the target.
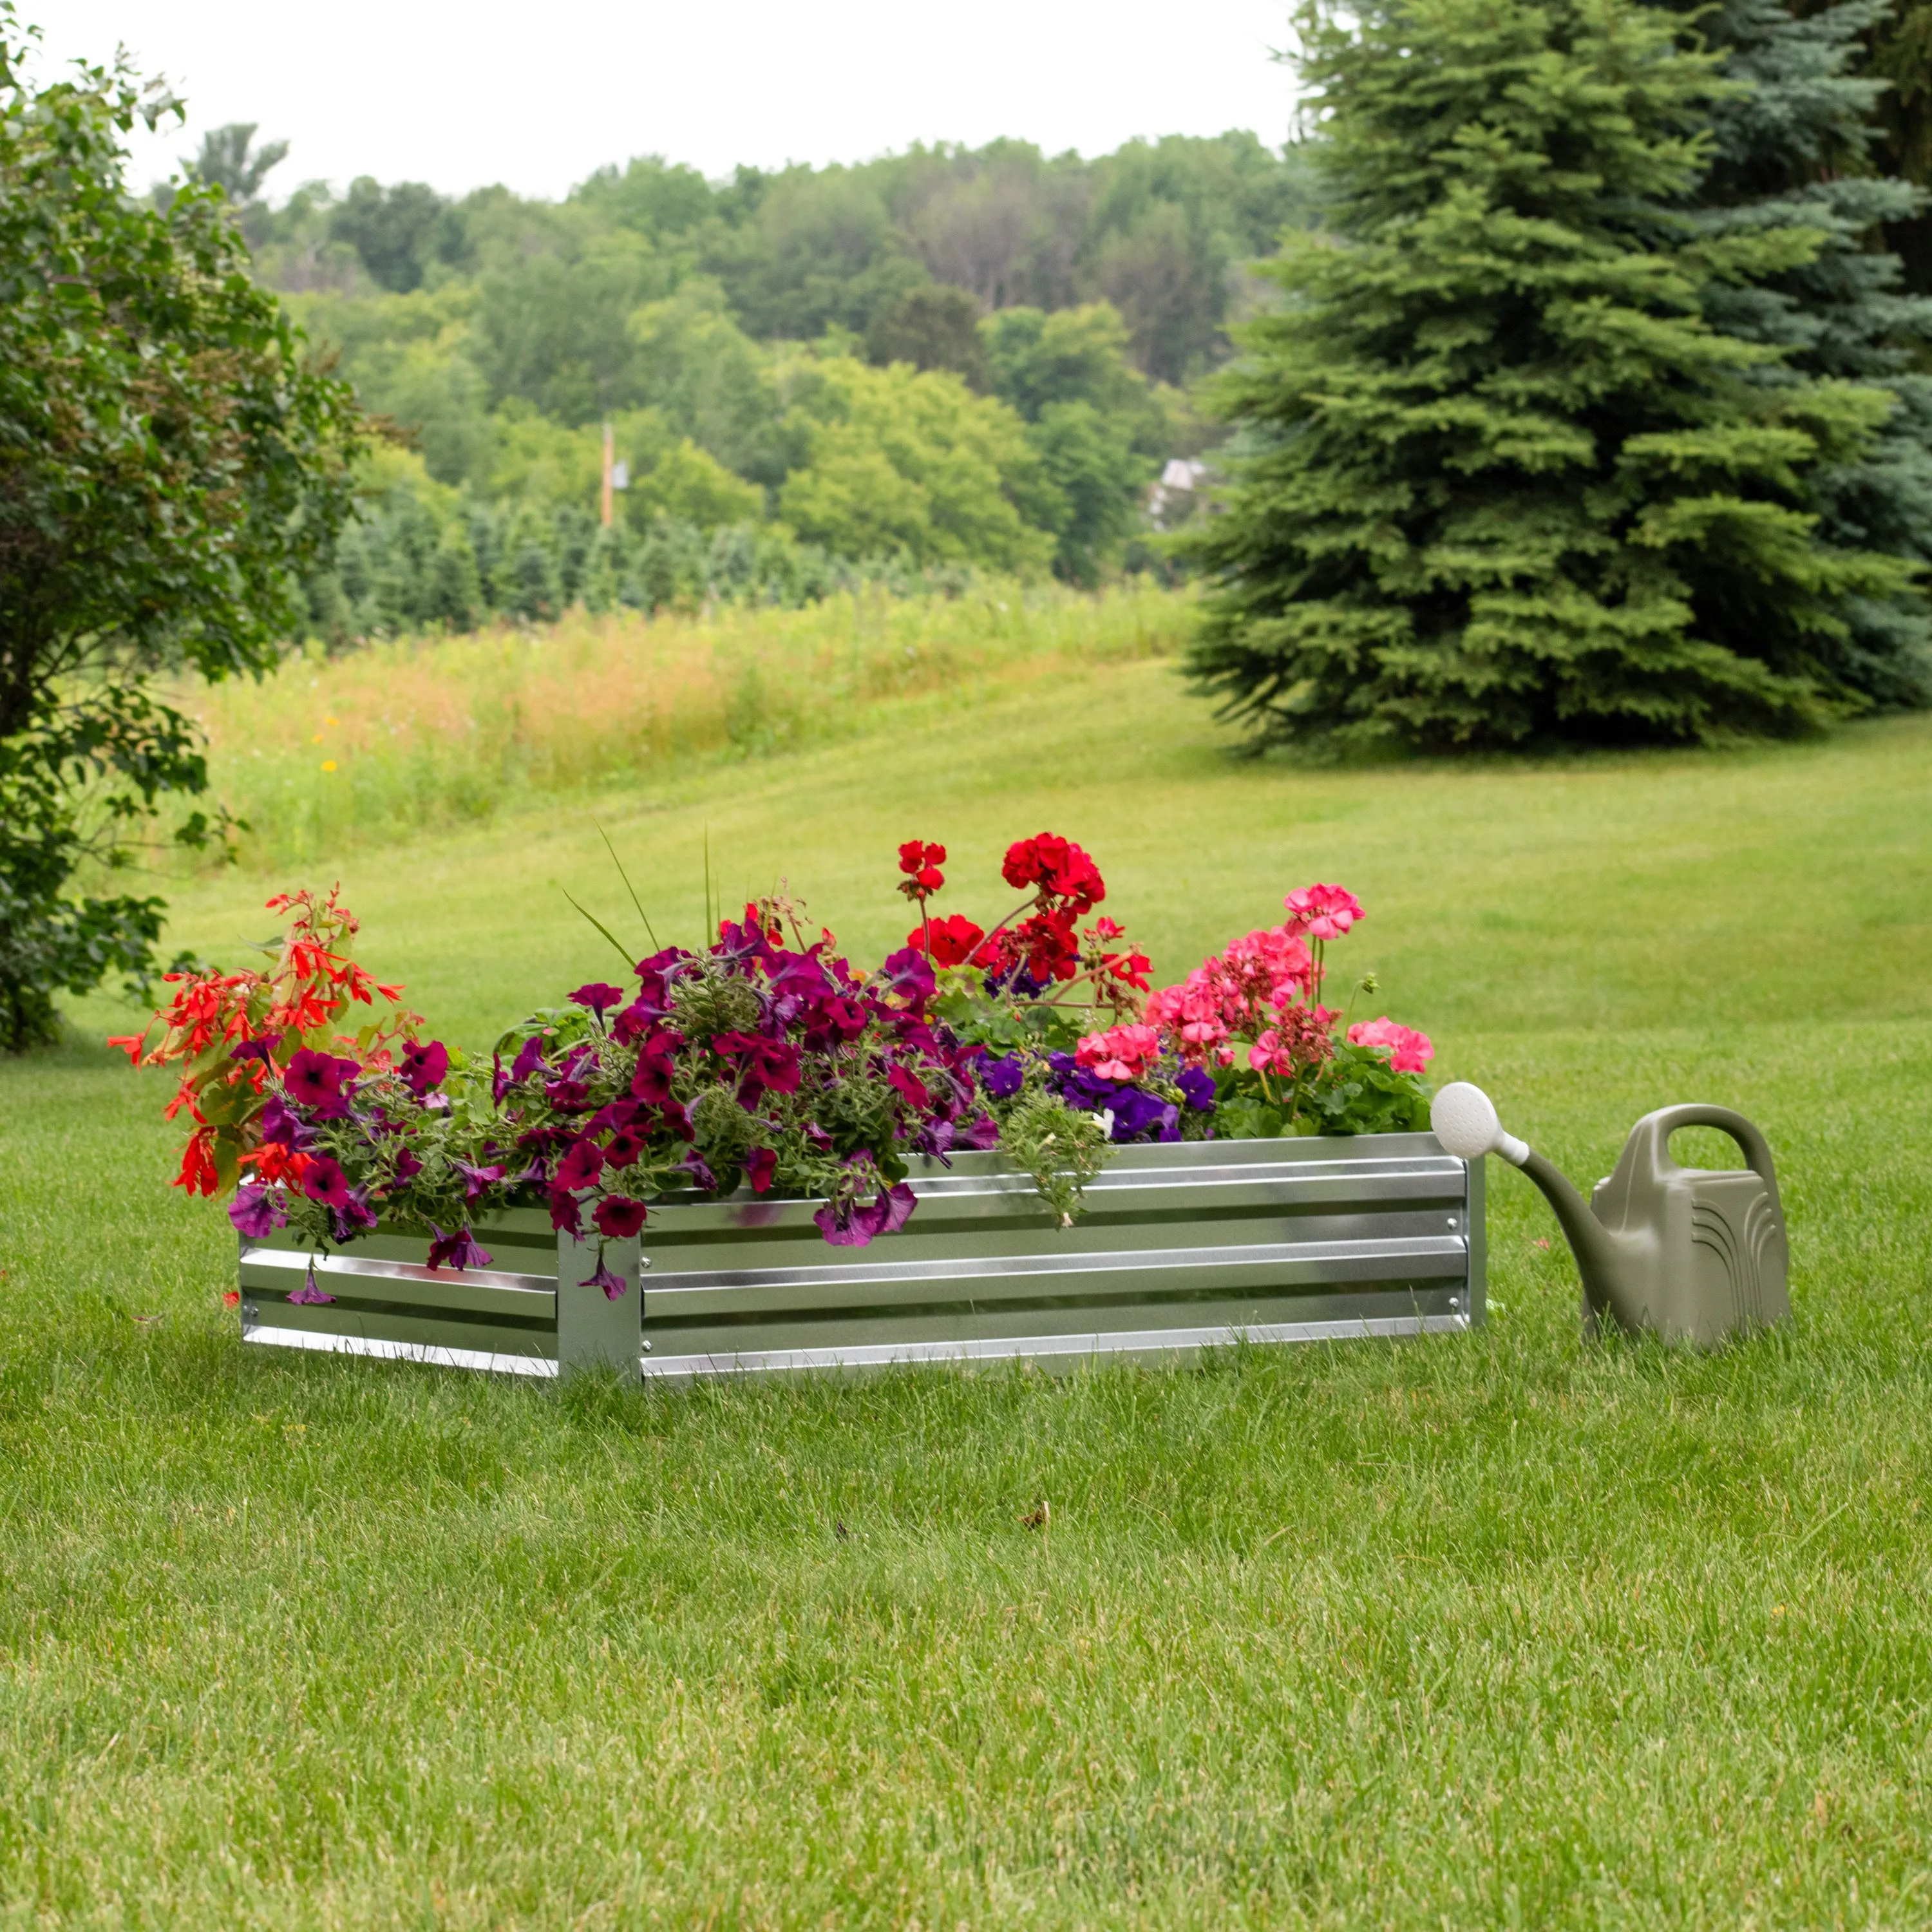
1792,149
399,232
1355,1091
1059,1148
904,462
1502,478
931,327
687,484
1098,432
171,463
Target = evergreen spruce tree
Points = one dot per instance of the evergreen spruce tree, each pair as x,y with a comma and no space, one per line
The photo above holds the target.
1794,148
1502,479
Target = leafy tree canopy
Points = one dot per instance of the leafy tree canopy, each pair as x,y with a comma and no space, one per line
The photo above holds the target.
169,462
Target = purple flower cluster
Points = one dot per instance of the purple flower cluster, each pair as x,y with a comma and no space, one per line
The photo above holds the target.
1138,1114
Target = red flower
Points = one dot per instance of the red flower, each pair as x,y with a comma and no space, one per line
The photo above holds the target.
623,1148
761,1165
954,939
920,862
1059,868
619,1217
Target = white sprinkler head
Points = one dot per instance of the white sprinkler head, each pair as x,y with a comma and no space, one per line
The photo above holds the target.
1464,1120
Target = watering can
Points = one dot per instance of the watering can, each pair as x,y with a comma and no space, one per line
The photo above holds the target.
1690,1254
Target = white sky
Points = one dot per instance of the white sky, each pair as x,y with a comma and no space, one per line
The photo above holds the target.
537,98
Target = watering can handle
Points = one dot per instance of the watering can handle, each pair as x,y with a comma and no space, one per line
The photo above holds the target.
1666,1121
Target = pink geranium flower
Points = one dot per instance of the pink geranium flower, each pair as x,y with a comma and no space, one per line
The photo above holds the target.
1322,912
1121,1053
1409,1051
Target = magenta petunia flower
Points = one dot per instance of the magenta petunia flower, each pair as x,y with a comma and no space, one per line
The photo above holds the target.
761,1167
597,997
619,1217
255,1049
459,1251
323,1180
566,1216
909,1085
581,1166
606,1278
623,1148
312,1079
423,1065
651,1081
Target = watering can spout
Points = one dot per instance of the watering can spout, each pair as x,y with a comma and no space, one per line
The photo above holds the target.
1464,1119
1690,1254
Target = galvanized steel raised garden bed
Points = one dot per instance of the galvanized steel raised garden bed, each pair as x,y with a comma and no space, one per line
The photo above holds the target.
1182,1246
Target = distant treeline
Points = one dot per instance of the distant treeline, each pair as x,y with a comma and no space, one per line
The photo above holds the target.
940,362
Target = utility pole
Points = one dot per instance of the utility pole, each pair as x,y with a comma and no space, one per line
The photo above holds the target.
610,459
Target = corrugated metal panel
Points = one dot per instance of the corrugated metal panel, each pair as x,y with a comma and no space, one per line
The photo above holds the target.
1182,1246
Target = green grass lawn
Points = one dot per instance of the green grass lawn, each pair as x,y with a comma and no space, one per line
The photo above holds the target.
1500,1629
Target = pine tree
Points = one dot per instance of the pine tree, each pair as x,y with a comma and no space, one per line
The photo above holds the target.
1502,479
1794,148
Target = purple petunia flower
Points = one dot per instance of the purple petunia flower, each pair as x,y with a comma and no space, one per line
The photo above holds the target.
1003,1079
566,1214
529,1059
308,1295
983,1135
476,1179
257,1212
353,1216
761,1167
597,997
612,1283
1197,1084
694,1165
1137,1113
424,1065
255,1049
907,973
459,1250
280,1125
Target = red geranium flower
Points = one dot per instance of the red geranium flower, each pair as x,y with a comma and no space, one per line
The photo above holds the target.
953,940
920,861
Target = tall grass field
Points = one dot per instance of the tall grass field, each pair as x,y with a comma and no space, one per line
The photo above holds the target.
1502,1629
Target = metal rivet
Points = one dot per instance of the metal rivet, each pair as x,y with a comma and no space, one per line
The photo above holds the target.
647,1348
1452,1220
1455,1303
643,1260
